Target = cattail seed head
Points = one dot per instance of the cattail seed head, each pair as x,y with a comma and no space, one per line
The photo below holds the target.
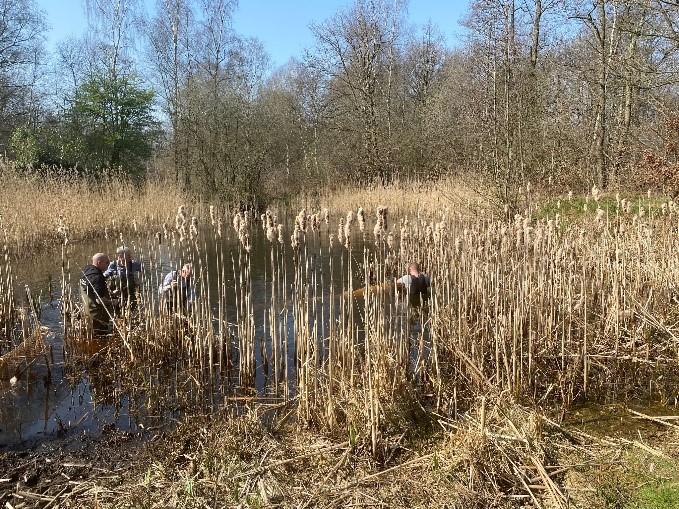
390,240
347,229
281,238
237,220
340,231
193,230
270,233
295,237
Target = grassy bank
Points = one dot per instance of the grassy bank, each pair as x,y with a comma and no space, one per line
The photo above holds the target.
412,199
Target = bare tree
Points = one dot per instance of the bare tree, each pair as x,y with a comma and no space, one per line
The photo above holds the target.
354,51
21,36
113,25
170,34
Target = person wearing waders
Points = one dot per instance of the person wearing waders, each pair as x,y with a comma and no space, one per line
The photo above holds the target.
123,270
178,290
97,302
415,285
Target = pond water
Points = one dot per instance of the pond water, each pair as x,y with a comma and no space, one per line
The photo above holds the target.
67,391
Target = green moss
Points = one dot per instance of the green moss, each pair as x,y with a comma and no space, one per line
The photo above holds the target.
660,496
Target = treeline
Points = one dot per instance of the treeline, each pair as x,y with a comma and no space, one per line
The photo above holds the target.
553,92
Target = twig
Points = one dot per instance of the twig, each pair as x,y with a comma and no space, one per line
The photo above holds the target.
264,468
654,419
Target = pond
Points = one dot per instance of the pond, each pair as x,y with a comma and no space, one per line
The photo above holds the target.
78,388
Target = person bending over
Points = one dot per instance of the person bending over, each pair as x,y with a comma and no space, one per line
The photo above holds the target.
415,284
178,290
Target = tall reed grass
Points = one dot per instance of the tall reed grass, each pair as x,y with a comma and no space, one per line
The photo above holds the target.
547,312
40,206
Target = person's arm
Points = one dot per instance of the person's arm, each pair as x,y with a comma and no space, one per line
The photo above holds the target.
135,266
101,289
191,292
167,282
111,269
402,283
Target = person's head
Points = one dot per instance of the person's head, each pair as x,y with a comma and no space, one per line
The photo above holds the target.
187,271
124,255
100,261
414,269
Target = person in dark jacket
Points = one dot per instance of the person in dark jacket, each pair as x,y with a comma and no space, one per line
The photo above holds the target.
123,271
415,284
97,302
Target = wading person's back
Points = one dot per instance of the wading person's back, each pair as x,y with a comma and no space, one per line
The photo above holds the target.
415,285
124,270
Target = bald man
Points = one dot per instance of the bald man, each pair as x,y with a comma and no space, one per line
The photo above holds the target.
97,303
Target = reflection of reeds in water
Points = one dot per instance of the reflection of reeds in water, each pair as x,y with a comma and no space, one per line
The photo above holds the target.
20,335
544,311
7,304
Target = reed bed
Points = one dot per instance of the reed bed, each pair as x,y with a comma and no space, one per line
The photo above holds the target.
8,308
297,313
551,313
21,335
40,206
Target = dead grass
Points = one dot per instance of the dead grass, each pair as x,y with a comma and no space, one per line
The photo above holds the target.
402,198
37,209
497,455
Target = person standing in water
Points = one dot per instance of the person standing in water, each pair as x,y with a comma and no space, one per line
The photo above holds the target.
96,299
415,284
178,290
124,270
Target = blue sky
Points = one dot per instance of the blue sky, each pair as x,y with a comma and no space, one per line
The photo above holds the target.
282,25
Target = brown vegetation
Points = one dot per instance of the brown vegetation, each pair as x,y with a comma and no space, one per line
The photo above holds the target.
497,455
525,314
41,208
